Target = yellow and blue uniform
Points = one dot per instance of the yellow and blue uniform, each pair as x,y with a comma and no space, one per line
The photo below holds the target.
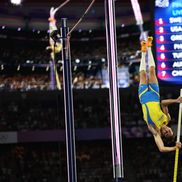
150,100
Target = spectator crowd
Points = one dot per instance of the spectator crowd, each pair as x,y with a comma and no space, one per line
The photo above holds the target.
46,162
27,111
89,64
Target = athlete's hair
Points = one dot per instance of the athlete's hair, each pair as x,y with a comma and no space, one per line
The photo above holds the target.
168,141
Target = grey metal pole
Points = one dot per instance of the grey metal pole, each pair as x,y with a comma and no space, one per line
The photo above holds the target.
117,153
68,103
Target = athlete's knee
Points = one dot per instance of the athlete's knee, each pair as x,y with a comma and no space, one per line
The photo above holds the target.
143,78
152,75
143,73
152,71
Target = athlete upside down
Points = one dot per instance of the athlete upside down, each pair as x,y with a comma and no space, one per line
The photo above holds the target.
155,113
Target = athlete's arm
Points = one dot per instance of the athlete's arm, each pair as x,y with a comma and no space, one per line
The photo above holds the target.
160,143
165,103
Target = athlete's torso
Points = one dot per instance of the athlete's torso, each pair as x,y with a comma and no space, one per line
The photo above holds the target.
153,114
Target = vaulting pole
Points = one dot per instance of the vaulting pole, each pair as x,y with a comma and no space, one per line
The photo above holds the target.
116,135
178,140
68,104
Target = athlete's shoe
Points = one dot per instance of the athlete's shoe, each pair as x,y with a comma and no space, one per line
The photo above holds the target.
150,39
143,46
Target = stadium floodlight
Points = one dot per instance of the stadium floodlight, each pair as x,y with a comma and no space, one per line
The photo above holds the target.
16,2
77,60
103,60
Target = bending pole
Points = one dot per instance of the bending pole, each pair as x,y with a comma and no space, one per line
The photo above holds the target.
68,104
116,135
178,140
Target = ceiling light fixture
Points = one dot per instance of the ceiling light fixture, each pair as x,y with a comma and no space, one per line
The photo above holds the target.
16,2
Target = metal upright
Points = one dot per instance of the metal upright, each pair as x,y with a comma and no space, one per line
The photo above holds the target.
116,135
68,104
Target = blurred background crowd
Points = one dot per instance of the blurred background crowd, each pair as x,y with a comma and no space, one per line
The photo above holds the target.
24,68
46,161
27,112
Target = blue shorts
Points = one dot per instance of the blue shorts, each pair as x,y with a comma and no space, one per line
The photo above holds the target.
148,93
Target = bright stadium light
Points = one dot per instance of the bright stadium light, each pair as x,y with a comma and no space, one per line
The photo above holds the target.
16,2
77,60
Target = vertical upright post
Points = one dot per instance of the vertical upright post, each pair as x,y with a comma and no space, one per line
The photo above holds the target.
52,76
68,103
178,140
113,90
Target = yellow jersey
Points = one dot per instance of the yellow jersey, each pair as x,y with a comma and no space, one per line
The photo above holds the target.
153,114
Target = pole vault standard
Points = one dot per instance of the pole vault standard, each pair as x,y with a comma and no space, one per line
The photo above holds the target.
68,103
116,135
